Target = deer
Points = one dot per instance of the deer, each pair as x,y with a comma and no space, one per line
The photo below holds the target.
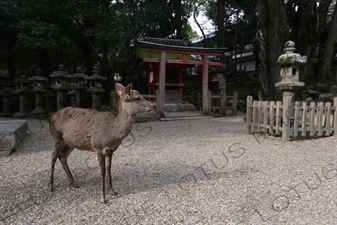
91,130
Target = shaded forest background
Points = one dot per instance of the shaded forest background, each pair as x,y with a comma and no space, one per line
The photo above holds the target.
84,33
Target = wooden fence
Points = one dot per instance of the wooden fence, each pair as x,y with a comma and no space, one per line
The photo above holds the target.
291,120
197,101
216,102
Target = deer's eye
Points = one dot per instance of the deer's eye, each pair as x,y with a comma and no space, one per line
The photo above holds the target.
137,99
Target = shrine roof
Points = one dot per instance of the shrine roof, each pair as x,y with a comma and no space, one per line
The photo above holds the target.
174,44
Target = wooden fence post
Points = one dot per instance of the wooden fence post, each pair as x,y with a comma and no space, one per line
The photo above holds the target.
223,102
157,103
209,101
335,116
198,100
286,118
249,114
235,103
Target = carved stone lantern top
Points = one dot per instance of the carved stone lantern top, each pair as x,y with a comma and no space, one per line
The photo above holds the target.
95,81
289,58
22,84
290,63
60,79
78,80
39,82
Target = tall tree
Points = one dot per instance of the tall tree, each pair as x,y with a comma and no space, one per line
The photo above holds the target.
325,65
220,23
306,25
271,34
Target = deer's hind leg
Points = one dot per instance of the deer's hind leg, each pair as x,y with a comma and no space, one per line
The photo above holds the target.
63,156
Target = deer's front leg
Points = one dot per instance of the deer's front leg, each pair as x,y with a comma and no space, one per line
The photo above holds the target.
101,160
108,156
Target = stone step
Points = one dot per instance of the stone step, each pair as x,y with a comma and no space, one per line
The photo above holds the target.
12,132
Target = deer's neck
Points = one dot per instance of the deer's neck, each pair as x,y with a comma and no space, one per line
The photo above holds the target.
124,121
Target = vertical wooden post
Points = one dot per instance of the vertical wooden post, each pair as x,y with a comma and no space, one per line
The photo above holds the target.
271,118
205,90
278,118
320,119
327,119
249,114
162,68
265,116
286,118
304,119
198,100
296,118
158,102
312,118
223,100
235,103
209,101
335,116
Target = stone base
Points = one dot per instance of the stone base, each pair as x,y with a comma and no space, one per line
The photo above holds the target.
289,86
12,133
6,114
37,113
20,115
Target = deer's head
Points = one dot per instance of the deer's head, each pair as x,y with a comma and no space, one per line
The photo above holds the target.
132,101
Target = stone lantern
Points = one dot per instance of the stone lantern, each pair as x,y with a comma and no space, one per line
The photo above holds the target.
290,63
60,83
78,85
39,84
96,88
22,89
6,93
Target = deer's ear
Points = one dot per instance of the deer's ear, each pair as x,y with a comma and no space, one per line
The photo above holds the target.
119,88
128,88
126,93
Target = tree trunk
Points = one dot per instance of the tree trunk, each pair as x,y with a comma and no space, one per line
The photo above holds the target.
271,34
325,65
221,25
178,21
308,26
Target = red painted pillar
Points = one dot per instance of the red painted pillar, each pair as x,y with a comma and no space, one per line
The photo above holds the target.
162,68
205,90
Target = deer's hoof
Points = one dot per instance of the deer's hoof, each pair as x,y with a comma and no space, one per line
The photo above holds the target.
52,189
112,192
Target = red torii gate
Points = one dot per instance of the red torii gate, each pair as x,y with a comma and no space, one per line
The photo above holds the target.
160,45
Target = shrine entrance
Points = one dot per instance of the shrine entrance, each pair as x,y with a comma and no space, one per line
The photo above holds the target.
164,59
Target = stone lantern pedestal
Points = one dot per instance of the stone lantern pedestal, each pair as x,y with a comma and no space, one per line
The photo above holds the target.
96,88
290,63
22,89
60,80
6,93
49,97
39,83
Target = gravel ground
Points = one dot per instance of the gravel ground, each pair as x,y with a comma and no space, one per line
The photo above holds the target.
205,171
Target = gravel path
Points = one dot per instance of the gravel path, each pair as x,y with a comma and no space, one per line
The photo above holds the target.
205,171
